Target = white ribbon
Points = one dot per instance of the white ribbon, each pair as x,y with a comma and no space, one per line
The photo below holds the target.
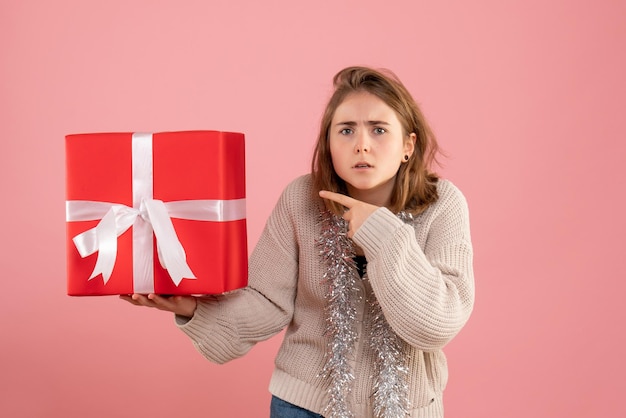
147,216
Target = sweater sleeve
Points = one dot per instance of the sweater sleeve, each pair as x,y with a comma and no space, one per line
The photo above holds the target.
225,327
426,294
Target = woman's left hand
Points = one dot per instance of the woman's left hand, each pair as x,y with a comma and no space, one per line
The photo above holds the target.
180,305
357,212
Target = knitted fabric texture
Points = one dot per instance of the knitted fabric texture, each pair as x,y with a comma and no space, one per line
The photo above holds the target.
420,272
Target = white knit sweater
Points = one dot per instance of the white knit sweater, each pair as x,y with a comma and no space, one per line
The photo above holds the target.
421,274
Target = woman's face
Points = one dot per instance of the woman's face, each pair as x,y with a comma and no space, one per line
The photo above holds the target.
367,146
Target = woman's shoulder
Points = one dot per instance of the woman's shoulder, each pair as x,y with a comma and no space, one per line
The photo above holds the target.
450,197
300,185
299,193
447,189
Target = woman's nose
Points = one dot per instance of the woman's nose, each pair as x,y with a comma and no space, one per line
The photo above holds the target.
362,143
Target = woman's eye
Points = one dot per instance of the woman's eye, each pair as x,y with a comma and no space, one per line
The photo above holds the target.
379,131
345,131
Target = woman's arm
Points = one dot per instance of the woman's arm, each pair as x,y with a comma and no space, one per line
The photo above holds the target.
225,327
426,294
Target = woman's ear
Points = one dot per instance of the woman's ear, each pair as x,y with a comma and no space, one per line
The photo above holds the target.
409,144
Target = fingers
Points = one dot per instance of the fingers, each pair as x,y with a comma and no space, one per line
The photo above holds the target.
151,300
131,299
180,305
342,199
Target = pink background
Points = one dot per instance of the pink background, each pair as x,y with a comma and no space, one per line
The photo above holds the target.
527,97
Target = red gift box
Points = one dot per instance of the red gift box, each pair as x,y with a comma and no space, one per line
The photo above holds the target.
156,213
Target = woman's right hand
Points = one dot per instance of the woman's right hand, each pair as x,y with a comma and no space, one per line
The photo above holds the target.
180,305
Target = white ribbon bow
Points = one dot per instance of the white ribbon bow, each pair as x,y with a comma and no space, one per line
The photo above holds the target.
117,219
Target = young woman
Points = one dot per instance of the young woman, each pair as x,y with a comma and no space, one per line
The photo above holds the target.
367,261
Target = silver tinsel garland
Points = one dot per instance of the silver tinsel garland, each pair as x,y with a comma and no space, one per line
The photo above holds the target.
391,389
391,397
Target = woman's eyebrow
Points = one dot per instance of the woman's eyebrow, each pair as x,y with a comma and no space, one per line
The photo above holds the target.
369,122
